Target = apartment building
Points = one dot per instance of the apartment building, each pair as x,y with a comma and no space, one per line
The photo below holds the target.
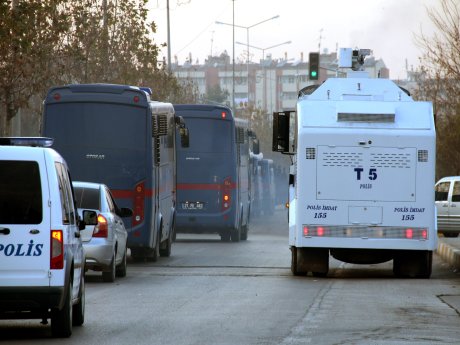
270,85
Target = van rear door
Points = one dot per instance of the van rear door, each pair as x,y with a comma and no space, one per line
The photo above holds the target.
24,218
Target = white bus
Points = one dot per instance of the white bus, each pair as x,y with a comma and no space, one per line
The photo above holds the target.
361,182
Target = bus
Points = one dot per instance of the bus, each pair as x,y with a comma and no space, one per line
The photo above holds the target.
116,135
267,186
213,173
256,192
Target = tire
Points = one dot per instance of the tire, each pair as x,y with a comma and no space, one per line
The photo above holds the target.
79,308
244,233
413,264
235,234
122,267
225,236
165,249
294,267
154,253
109,276
61,320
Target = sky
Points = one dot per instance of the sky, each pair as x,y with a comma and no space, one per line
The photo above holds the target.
387,27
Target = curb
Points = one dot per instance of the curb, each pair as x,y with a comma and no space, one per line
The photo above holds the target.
449,253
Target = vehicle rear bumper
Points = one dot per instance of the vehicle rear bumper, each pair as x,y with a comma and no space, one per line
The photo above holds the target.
31,302
195,223
98,255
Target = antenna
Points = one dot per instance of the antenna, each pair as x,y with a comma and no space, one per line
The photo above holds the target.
212,40
320,38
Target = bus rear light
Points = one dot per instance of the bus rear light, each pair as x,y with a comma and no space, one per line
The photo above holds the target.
226,201
224,115
365,232
424,234
226,193
320,231
102,227
136,99
57,250
305,231
409,233
57,96
138,202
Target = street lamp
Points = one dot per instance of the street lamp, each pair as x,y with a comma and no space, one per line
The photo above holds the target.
263,65
247,36
264,49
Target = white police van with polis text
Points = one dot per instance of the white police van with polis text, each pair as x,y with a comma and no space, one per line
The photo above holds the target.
41,255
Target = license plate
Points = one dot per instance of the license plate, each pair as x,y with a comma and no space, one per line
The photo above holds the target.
193,205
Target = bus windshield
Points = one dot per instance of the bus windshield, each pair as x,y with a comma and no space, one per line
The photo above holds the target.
209,135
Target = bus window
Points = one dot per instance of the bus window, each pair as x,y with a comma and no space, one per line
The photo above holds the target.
217,138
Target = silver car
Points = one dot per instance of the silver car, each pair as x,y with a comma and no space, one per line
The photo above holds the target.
447,201
105,236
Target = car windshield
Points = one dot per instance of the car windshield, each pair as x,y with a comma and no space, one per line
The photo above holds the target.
87,198
20,193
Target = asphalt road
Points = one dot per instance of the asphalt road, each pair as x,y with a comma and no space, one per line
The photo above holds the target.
211,292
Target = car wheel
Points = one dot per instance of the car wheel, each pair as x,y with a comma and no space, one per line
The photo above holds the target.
121,269
79,308
61,320
109,276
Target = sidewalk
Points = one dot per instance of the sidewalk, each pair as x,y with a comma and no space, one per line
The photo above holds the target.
449,251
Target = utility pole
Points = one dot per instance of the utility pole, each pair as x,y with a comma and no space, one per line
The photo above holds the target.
169,37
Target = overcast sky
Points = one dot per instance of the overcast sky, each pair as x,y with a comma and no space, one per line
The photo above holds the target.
385,26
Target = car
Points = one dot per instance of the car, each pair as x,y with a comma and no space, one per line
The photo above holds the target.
41,252
447,201
105,237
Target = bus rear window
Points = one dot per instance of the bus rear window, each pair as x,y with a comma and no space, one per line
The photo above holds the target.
20,193
100,124
209,135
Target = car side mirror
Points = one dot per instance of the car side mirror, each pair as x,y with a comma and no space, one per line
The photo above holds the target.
90,217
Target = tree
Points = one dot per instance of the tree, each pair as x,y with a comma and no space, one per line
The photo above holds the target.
53,42
111,41
439,81
214,94
30,32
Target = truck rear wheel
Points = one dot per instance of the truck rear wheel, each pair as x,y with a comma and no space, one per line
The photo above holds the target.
294,266
413,264
315,260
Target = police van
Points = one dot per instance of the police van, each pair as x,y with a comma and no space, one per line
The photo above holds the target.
41,254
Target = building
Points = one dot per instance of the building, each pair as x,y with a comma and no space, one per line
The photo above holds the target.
270,85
